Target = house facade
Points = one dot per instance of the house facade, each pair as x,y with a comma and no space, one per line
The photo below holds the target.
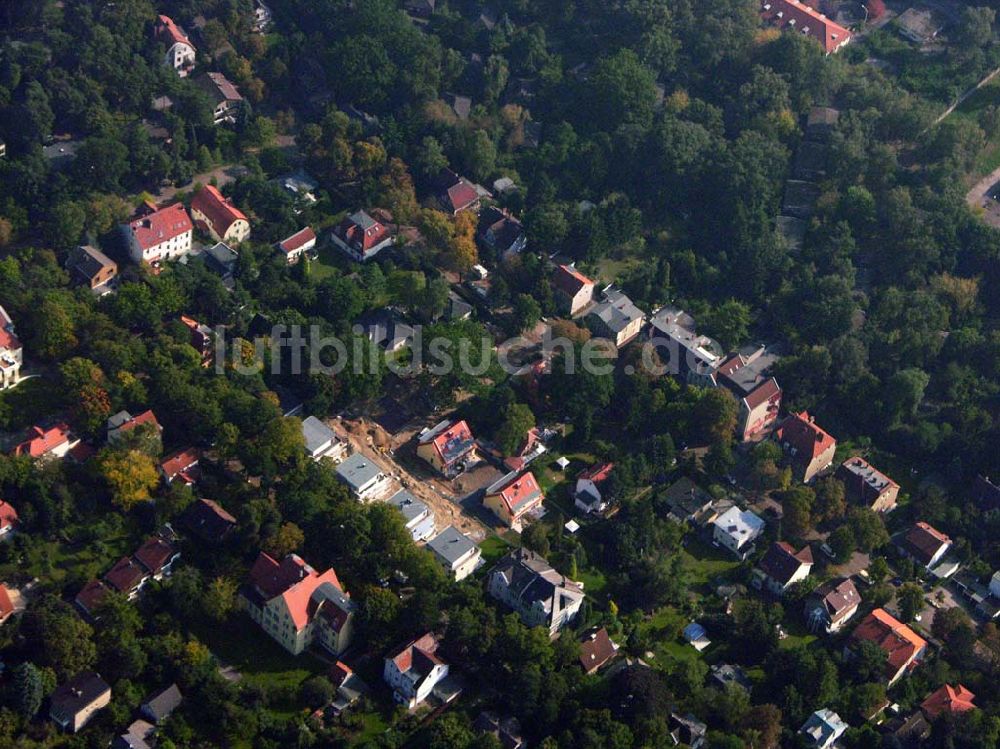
745,375
447,446
782,567
364,477
91,267
414,671
924,544
832,605
587,494
810,449
226,98
74,703
361,237
297,606
322,441
541,596
296,246
159,234
219,217
866,485
8,520
736,530
574,291
797,17
11,356
512,497
180,53
456,552
416,515
47,444
616,317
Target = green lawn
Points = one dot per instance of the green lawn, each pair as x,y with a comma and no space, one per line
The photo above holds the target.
704,563
798,635
493,547
59,562
243,645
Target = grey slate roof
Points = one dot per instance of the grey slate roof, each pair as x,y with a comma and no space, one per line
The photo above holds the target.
616,311
160,706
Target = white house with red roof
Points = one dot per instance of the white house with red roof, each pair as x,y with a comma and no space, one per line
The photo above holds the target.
512,497
159,234
8,520
447,446
217,215
793,16
415,670
587,495
10,352
180,53
810,448
46,444
574,291
297,245
298,606
361,236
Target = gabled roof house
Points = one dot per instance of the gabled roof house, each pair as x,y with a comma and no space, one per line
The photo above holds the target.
297,606
541,596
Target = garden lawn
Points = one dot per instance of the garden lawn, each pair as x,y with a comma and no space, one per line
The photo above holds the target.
703,563
244,646
493,547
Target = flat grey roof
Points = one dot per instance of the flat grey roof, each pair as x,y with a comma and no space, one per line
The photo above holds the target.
451,544
406,503
316,433
357,471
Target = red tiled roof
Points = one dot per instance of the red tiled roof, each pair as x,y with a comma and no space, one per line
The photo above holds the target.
8,515
218,210
900,643
126,575
43,441
458,433
361,231
596,649
170,34
520,493
796,16
597,472
6,606
419,653
461,195
802,433
91,596
762,393
160,225
154,554
298,240
179,462
8,340
569,280
948,699
293,580
146,417
338,672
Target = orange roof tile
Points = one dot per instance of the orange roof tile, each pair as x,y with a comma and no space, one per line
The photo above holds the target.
218,210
